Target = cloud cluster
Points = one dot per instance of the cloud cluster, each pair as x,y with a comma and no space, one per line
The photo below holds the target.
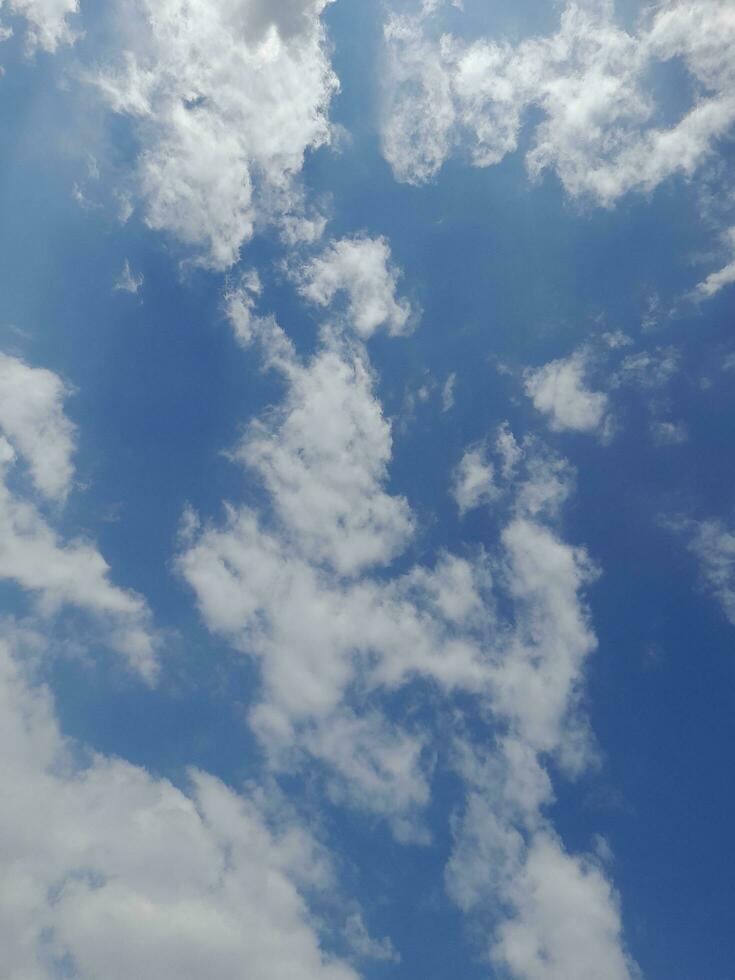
502,638
227,98
599,129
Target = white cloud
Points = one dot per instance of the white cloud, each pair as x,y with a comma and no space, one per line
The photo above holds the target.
32,554
725,276
417,131
32,419
47,21
448,392
228,97
536,682
666,433
108,872
508,631
558,390
599,132
360,268
508,449
551,915
323,457
714,546
473,480
363,944
127,281
320,640
648,369
566,923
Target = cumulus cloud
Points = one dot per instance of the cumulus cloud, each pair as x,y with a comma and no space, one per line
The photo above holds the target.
360,269
227,98
599,130
32,419
36,432
558,390
567,922
109,872
323,457
551,915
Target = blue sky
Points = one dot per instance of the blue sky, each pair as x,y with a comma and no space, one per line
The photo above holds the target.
368,539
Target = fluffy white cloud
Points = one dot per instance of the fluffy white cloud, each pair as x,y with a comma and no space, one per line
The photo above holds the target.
323,458
47,21
360,268
321,641
566,922
228,97
551,915
32,554
558,390
108,872
32,419
473,482
599,131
